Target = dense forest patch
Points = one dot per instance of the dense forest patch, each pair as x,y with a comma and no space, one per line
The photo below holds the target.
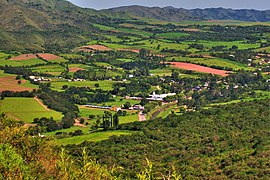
223,143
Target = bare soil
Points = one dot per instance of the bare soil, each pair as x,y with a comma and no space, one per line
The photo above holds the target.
198,68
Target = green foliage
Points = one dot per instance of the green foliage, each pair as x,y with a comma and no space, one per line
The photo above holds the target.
223,142
12,165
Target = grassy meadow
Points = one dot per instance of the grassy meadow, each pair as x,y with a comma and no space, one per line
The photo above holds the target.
105,85
26,109
92,137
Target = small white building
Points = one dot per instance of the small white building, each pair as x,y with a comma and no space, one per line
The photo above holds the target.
159,97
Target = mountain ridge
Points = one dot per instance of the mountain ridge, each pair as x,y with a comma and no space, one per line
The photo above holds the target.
54,24
173,14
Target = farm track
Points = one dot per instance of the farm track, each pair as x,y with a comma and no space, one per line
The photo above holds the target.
41,103
160,110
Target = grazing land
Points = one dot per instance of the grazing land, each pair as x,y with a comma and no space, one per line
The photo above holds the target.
26,109
53,69
92,137
19,63
106,85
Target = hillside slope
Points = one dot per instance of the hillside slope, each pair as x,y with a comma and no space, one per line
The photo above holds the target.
179,14
58,25
38,24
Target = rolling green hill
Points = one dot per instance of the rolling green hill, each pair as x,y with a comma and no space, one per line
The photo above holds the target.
58,25
43,24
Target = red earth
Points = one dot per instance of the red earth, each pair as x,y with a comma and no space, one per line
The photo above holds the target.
9,83
198,68
74,69
48,57
97,47
24,57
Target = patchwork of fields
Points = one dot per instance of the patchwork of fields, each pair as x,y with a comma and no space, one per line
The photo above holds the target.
116,58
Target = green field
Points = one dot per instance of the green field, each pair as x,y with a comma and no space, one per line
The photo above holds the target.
131,116
18,63
60,60
26,109
267,49
120,101
162,72
54,69
168,111
172,35
72,129
229,44
3,56
93,137
2,74
69,55
105,85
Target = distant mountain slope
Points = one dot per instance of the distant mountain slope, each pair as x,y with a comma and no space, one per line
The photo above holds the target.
34,25
43,24
179,14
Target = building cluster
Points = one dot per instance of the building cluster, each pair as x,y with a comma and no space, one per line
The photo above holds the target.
39,79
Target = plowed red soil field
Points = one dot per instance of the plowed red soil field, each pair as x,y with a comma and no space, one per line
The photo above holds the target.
24,57
48,57
198,68
11,84
75,69
97,47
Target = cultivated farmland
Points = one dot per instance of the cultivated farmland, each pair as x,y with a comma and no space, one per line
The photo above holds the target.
26,109
198,68
9,82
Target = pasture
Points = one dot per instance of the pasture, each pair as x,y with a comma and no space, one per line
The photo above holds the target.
105,85
131,116
53,69
172,35
70,55
4,56
19,63
162,72
229,44
93,137
26,109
